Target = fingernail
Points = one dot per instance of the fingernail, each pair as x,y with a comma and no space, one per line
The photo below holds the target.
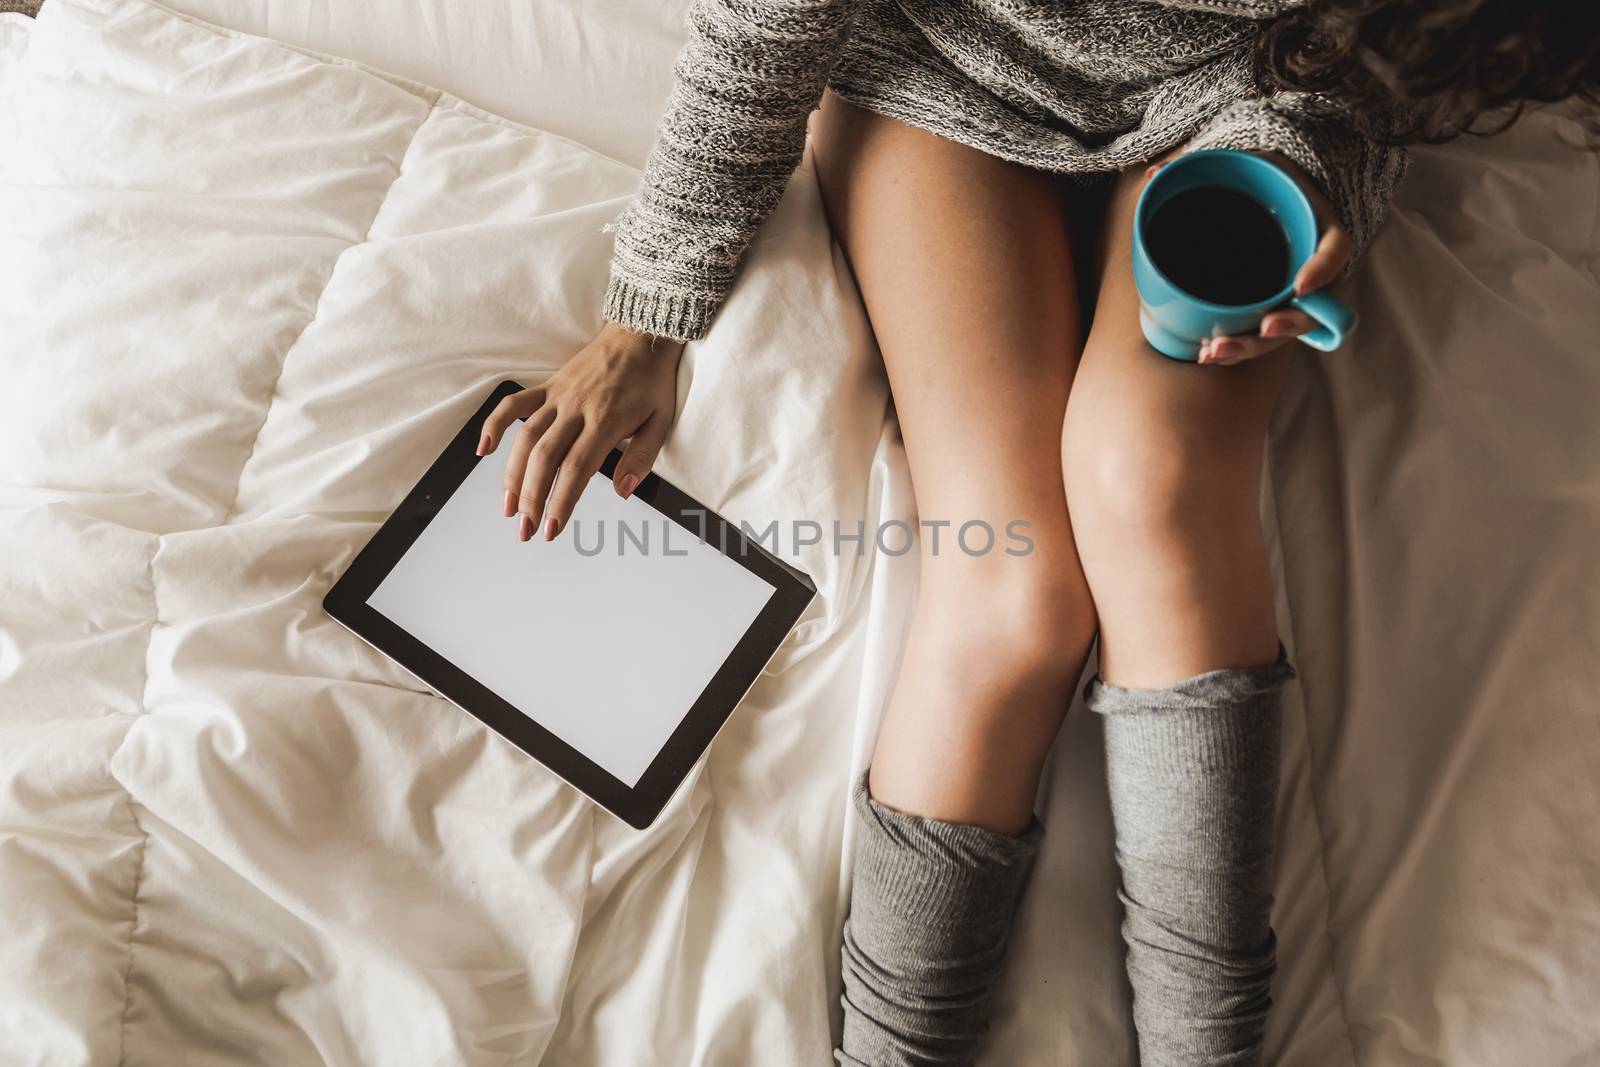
1224,349
524,528
1271,327
550,528
511,504
483,445
629,483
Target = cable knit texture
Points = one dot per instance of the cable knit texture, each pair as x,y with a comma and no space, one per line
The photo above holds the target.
1075,86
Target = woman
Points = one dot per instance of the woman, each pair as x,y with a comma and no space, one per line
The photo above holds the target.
1025,391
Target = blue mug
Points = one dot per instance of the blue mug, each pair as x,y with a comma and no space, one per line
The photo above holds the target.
1176,322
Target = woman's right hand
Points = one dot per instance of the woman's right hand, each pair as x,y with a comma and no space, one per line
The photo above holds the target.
621,385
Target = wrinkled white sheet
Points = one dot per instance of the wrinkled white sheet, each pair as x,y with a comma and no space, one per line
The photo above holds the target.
1438,867
595,72
248,295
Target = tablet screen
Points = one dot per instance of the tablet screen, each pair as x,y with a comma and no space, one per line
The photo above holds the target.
605,636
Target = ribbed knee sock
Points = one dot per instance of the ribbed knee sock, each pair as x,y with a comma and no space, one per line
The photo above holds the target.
931,905
1193,775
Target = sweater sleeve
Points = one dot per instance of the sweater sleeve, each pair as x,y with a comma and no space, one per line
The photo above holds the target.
731,137
1357,174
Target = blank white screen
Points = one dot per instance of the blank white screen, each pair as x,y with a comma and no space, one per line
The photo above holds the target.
608,652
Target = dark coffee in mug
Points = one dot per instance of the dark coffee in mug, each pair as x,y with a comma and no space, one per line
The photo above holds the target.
1219,245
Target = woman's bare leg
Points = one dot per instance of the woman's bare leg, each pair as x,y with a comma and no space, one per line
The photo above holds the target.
964,265
966,270
1163,467
1163,472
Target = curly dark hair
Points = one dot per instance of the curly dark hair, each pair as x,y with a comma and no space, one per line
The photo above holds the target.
1430,70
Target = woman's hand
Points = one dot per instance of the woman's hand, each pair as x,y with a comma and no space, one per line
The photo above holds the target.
1324,268
621,385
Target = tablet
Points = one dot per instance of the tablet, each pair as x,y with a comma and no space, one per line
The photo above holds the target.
611,655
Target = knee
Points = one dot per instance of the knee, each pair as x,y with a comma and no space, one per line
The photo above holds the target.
1015,624
1142,478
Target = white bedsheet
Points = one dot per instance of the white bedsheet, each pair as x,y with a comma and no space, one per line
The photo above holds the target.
327,865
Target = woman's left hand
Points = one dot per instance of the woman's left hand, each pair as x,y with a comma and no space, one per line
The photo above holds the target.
1324,268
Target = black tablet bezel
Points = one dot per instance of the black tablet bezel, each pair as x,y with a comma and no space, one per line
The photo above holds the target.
637,805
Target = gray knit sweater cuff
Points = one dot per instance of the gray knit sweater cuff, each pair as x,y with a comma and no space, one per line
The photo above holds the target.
678,316
1357,175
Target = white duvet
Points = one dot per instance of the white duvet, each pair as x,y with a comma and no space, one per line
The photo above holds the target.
248,294
245,295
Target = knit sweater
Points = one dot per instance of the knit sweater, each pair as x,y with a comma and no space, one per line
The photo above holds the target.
1079,87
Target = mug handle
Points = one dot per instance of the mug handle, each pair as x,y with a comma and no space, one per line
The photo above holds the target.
1335,319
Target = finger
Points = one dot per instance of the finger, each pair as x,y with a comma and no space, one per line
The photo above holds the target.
549,453
1226,351
641,454
1287,323
522,443
1327,262
509,410
583,459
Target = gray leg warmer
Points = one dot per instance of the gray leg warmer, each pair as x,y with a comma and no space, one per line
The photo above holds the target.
931,905
1193,775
